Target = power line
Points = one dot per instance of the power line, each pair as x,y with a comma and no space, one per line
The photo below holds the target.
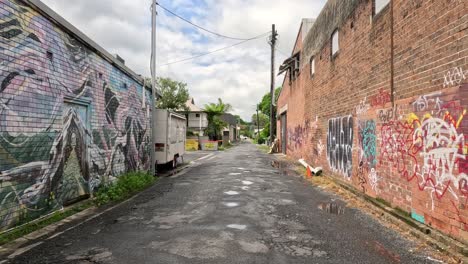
202,28
213,51
282,52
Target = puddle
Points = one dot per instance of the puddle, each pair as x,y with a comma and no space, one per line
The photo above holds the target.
245,188
235,173
332,208
231,204
236,226
231,193
241,168
247,182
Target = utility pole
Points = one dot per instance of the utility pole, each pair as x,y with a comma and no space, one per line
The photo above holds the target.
258,125
273,39
154,12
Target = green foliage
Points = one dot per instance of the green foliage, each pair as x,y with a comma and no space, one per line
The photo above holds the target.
240,120
265,133
261,140
266,100
214,111
174,94
263,120
125,186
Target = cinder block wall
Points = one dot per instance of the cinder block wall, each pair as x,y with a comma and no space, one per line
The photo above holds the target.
70,120
410,149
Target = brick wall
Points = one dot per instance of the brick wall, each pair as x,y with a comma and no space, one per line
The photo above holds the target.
410,148
69,119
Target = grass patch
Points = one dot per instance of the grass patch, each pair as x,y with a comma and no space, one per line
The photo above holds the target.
36,225
125,186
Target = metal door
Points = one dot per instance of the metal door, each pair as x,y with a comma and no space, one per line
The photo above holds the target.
283,133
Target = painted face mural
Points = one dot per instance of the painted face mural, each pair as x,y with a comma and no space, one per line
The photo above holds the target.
69,120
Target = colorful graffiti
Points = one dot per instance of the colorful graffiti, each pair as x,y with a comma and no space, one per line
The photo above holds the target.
340,145
69,120
429,147
367,154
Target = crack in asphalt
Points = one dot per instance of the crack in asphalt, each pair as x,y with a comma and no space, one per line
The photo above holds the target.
232,209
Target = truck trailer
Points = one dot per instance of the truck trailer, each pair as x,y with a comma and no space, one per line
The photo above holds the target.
169,141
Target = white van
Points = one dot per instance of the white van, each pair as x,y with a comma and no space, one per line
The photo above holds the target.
169,140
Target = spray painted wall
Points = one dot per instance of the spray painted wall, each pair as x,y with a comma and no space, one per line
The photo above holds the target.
409,148
69,120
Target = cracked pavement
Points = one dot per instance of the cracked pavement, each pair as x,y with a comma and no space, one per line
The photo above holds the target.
232,207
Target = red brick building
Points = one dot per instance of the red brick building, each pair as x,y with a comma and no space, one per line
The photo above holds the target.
376,93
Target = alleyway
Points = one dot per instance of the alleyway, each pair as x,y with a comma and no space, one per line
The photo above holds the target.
231,207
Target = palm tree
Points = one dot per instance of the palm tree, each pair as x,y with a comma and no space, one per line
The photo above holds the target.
214,111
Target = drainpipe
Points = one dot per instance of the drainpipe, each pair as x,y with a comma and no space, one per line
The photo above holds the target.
392,53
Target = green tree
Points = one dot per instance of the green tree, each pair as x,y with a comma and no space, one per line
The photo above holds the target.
214,111
263,120
174,94
265,103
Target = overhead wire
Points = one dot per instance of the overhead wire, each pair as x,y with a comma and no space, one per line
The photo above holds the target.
200,27
214,51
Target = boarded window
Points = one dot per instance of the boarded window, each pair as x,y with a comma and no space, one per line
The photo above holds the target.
335,43
379,5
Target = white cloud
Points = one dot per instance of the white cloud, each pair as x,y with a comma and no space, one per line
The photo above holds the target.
239,75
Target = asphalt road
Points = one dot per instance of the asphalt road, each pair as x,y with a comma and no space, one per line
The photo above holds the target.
230,207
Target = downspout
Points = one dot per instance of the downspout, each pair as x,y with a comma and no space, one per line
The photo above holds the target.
392,53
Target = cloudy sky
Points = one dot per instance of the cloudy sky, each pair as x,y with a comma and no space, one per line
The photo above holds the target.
239,75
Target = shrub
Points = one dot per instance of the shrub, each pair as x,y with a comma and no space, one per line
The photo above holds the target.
125,186
261,140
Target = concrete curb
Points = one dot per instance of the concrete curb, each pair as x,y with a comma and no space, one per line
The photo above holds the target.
16,244
430,236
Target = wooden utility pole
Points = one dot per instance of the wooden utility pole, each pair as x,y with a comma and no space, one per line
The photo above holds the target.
273,39
153,86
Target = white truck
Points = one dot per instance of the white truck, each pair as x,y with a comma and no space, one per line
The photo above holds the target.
169,141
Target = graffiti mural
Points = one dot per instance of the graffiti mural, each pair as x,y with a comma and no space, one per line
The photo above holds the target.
69,120
367,154
340,145
429,146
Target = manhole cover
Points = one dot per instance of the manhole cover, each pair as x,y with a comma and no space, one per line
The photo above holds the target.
332,208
